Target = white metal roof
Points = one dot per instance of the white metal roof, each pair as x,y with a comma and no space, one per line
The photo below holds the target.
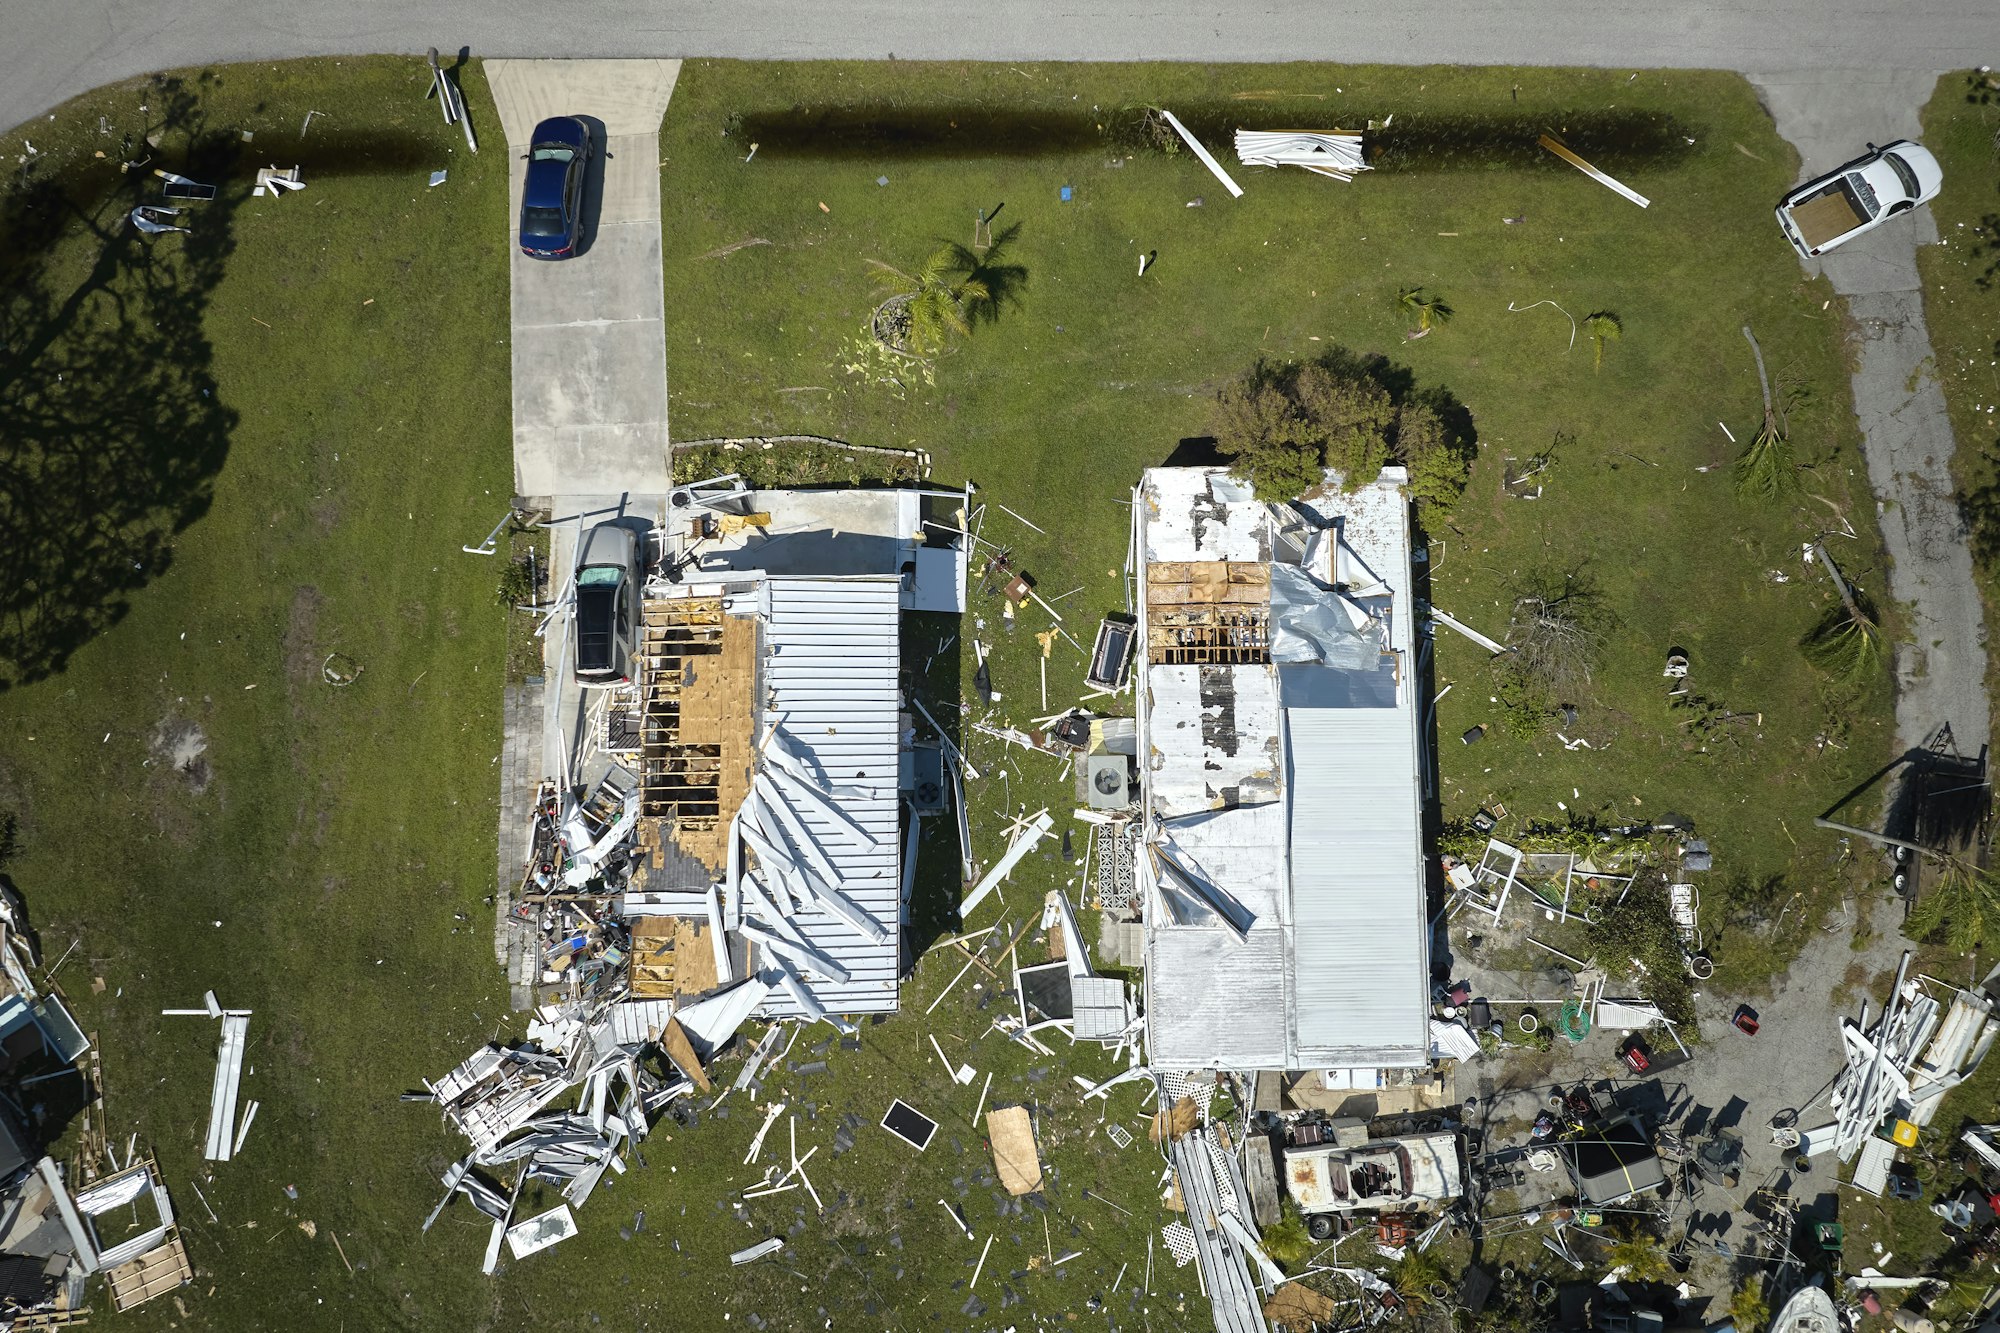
1359,943
1292,789
1213,736
832,658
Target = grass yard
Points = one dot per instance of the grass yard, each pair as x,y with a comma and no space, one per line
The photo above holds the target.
1962,297
1093,372
209,437
230,454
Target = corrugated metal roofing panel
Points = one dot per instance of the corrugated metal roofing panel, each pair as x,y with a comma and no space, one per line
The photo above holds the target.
831,666
1360,946
1213,1002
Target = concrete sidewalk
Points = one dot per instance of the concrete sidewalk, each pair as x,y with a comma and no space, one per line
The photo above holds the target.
1831,118
589,333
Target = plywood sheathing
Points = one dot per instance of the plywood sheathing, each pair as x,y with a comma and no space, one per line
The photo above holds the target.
718,696
1208,612
696,742
1012,1135
671,956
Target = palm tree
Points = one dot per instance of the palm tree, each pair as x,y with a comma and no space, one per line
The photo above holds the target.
1765,468
1848,642
1963,904
1430,311
954,289
1640,1255
1748,1309
926,308
1603,327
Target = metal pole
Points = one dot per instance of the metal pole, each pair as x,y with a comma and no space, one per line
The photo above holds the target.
1873,836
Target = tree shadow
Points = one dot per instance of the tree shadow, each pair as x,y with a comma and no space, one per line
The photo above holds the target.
113,431
1002,280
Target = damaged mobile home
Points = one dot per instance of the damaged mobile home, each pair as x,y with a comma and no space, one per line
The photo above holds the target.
1280,753
1286,936
728,834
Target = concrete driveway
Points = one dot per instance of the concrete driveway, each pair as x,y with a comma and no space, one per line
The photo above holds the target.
590,355
1831,117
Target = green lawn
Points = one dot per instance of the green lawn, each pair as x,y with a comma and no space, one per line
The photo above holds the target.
245,411
292,418
1096,372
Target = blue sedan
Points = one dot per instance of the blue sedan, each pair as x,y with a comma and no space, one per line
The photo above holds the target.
552,202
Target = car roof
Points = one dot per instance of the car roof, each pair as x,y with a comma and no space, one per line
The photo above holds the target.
561,129
608,544
544,185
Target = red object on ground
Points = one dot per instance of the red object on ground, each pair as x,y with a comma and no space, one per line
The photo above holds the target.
1636,1059
1746,1020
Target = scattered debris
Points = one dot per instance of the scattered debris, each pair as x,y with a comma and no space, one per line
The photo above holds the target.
1549,142
1207,159
909,1124
1335,154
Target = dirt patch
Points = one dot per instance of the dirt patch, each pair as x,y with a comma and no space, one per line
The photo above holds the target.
182,747
302,634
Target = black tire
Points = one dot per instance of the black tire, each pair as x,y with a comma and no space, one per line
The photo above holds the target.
1320,1226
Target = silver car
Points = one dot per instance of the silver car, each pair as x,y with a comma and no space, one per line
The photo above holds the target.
607,606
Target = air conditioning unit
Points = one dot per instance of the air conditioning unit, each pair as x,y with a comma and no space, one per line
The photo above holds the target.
1108,781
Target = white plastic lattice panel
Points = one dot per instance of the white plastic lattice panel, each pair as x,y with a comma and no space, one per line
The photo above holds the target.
1179,1085
1180,1242
1118,1134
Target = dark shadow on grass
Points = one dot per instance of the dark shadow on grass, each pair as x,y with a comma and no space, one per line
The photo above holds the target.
873,131
113,431
112,427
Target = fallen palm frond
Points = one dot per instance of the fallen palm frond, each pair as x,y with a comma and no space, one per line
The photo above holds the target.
1847,643
1766,468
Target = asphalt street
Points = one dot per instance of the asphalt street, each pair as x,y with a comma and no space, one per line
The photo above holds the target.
52,52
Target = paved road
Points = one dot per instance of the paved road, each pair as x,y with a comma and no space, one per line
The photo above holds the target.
55,51
590,355
1906,435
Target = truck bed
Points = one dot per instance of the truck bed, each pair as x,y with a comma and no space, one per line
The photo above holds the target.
1827,215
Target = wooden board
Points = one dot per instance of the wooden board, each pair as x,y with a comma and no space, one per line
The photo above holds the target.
154,1273
1175,1122
1011,1132
718,708
675,1043
1297,1308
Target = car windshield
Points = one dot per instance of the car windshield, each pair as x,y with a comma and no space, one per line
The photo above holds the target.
600,576
553,152
1904,176
594,609
541,222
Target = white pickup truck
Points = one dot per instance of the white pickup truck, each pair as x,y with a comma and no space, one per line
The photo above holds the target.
1859,197
1415,1173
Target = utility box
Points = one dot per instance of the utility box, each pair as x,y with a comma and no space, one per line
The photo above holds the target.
1108,781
